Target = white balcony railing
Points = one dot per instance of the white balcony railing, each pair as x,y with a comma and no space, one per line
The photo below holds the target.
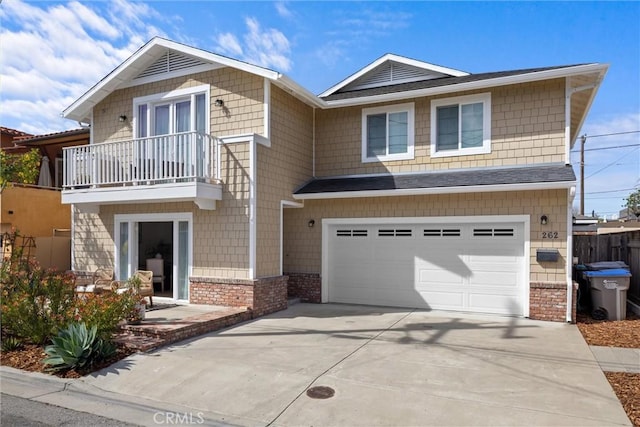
188,156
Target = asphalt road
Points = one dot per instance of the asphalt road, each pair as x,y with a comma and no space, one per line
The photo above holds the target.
16,411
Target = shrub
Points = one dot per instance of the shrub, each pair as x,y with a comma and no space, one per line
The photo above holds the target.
105,311
76,347
35,303
11,344
19,168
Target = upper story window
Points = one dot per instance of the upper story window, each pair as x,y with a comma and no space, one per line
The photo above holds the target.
388,133
461,126
178,111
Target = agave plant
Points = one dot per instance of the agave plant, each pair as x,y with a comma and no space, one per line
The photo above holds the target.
74,347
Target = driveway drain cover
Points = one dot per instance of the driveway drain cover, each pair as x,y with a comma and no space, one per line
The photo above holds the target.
320,392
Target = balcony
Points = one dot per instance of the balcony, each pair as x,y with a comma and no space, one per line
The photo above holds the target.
167,168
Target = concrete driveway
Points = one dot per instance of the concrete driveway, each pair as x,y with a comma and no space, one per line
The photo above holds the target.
388,367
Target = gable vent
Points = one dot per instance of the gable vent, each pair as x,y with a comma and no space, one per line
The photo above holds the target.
391,73
170,61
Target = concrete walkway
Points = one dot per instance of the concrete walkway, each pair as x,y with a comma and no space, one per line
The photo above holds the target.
615,359
386,367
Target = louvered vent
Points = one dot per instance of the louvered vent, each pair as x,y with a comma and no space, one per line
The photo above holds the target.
493,232
395,232
444,232
391,73
351,233
170,61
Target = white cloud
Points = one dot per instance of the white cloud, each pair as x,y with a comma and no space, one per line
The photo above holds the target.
53,53
265,47
282,10
229,44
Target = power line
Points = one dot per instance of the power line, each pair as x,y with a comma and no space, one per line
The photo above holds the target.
611,164
608,148
611,191
611,134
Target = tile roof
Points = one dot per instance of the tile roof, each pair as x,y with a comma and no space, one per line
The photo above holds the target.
14,132
32,138
506,176
427,84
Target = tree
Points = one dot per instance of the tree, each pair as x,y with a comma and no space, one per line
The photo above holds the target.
633,203
19,168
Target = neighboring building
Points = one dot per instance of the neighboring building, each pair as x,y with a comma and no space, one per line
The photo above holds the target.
626,215
36,210
407,184
8,140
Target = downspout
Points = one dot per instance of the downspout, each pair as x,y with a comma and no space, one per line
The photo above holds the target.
571,193
313,138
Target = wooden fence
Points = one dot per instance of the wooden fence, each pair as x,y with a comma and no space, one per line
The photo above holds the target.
612,247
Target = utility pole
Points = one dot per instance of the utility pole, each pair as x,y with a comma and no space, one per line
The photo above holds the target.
583,139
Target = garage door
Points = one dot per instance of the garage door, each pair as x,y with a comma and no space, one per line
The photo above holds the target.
476,267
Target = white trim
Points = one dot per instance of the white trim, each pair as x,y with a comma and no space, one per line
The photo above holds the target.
395,58
571,192
247,137
285,204
266,131
197,192
171,98
175,218
474,85
167,96
253,226
436,190
567,121
408,108
73,237
485,100
523,219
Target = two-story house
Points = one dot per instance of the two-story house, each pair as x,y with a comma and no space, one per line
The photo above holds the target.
407,184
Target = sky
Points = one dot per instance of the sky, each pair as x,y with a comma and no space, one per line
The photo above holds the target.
53,52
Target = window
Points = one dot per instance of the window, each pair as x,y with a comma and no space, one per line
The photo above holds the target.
387,133
461,126
182,110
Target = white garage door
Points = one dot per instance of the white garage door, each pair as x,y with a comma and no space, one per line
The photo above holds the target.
477,267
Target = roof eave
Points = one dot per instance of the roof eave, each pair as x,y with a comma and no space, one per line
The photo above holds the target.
555,185
80,110
396,58
480,84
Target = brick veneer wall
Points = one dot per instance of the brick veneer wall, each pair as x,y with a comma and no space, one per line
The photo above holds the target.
262,296
548,301
306,286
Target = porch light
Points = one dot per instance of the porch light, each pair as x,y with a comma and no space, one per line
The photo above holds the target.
122,118
544,220
311,223
219,103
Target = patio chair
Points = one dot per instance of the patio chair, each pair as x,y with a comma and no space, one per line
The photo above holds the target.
146,284
100,282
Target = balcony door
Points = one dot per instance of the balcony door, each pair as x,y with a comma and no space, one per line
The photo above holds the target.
166,115
132,247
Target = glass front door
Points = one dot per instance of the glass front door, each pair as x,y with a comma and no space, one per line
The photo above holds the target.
142,237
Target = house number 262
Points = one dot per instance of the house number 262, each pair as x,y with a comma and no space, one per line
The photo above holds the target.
549,234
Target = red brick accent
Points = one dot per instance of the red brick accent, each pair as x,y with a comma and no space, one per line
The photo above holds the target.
306,286
548,301
262,296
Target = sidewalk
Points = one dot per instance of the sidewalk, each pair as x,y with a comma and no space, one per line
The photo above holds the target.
616,359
